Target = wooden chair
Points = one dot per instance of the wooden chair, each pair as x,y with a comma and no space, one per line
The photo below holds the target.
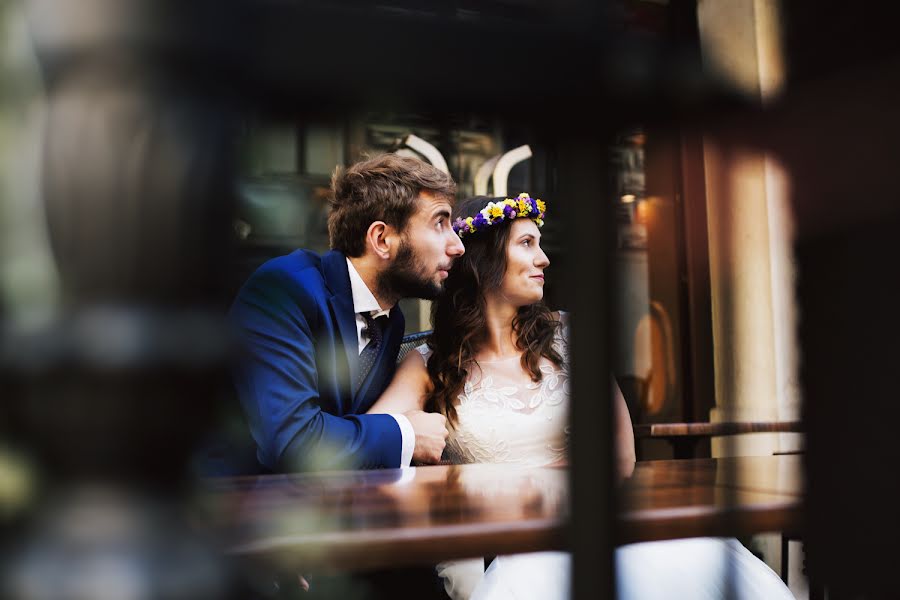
683,437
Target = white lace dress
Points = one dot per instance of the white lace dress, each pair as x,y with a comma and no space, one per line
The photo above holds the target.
504,417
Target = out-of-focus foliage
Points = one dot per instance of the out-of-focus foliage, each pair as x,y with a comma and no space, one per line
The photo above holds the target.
27,277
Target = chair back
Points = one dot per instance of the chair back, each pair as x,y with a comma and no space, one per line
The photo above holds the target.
410,341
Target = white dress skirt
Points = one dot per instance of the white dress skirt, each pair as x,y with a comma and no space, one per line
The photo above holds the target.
504,417
694,568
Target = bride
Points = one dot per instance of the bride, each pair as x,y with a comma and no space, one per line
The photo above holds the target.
496,367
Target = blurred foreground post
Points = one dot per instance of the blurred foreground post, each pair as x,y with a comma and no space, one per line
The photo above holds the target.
110,396
836,130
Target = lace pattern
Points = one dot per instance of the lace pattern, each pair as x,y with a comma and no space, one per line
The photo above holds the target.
504,417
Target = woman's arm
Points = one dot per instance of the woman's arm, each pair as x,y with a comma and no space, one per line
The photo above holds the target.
623,435
408,389
623,432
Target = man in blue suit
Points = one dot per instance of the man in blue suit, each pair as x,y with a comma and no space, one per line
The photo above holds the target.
321,333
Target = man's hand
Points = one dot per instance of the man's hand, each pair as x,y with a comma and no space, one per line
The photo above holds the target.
431,435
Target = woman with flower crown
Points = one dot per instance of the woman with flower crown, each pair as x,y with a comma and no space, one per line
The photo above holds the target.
496,366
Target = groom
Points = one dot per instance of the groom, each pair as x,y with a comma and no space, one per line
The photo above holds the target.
321,333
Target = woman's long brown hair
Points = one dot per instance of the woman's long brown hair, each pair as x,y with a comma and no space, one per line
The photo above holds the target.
459,321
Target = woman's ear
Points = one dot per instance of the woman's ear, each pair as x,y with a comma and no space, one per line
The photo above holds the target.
382,239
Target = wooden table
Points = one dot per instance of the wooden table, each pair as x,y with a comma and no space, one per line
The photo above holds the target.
711,496
377,519
684,436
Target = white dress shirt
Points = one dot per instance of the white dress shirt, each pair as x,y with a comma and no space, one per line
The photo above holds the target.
364,302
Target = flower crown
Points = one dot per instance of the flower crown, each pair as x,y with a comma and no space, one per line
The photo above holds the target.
497,212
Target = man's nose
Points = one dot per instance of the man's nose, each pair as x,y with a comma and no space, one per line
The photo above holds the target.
455,246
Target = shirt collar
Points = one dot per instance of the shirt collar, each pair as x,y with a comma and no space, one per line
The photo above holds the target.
363,299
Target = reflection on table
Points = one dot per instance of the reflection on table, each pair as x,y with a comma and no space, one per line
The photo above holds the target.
387,518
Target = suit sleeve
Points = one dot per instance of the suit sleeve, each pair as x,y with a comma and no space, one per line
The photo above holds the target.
276,380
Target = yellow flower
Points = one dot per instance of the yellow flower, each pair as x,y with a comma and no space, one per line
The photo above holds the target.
523,208
542,206
539,222
494,210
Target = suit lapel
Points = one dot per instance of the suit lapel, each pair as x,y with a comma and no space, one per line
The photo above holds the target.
334,268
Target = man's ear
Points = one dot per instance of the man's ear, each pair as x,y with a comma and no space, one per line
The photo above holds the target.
382,239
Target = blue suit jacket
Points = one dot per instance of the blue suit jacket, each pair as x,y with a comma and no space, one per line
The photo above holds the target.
300,354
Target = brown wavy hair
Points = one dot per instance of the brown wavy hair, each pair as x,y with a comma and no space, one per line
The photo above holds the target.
459,320
381,188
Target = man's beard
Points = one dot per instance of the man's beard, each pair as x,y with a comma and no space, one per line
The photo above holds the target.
406,277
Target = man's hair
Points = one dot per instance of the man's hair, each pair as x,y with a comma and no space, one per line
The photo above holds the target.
381,188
